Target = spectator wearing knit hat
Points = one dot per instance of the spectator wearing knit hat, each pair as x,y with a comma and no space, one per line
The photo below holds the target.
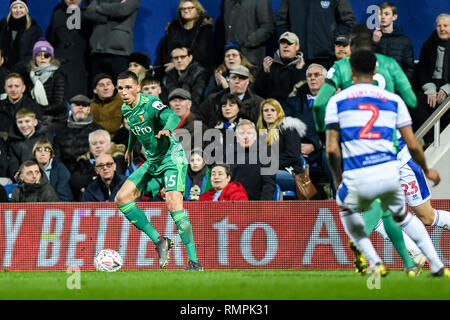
106,104
48,83
139,63
111,41
71,45
18,34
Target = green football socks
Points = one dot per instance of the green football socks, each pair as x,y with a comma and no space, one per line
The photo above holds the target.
185,231
137,217
393,230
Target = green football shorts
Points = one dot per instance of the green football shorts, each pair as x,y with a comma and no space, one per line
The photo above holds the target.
170,173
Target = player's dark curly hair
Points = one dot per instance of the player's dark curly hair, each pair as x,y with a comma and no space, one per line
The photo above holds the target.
363,62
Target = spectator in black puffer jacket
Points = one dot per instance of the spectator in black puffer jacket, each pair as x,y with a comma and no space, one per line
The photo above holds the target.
48,83
71,140
391,41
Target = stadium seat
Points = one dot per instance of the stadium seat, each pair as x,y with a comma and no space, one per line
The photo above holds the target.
277,193
130,169
9,188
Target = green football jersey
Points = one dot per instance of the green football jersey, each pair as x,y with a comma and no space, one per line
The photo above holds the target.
389,76
146,119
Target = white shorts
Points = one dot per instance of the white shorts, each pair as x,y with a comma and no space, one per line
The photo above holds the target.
358,197
414,184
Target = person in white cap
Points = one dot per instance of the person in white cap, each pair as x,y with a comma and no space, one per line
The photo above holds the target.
18,34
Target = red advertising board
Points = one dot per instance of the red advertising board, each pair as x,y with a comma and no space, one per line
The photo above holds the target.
229,235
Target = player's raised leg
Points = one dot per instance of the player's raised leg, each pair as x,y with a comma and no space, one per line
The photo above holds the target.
126,202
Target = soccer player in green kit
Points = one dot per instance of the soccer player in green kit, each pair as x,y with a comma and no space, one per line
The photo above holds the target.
391,77
152,123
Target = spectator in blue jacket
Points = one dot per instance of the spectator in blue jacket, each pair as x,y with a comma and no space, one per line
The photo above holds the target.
105,187
56,171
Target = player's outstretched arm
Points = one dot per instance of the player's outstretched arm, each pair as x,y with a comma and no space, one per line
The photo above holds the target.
416,151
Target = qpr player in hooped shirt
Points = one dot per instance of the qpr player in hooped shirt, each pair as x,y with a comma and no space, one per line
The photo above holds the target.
368,117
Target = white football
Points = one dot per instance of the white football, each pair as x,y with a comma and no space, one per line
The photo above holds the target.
108,260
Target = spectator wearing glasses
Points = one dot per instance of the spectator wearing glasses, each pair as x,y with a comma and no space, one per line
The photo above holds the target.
49,83
56,171
187,74
84,172
107,183
193,27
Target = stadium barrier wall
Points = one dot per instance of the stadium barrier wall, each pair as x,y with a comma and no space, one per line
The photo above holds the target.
303,235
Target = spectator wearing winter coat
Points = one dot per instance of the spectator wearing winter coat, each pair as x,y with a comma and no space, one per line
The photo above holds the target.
107,183
69,35
84,170
317,24
49,83
56,171
15,100
106,104
18,34
193,27
198,179
249,23
390,40
433,71
279,74
187,74
26,131
208,111
221,77
3,74
71,139
111,41
284,134
257,178
223,189
33,185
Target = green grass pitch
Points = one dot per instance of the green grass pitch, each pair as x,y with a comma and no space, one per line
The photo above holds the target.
219,285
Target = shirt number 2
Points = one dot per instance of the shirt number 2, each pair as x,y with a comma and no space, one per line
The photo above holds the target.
365,131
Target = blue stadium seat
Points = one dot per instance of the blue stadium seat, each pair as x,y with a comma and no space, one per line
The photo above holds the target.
277,193
9,188
130,169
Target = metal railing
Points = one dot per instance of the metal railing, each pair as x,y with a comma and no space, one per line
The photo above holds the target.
434,121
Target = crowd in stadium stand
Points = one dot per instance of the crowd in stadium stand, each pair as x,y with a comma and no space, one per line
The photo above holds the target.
62,135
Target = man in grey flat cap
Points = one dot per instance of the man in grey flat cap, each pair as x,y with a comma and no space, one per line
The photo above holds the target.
207,112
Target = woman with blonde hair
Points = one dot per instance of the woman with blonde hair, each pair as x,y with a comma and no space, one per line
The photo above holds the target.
192,27
286,133
18,34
